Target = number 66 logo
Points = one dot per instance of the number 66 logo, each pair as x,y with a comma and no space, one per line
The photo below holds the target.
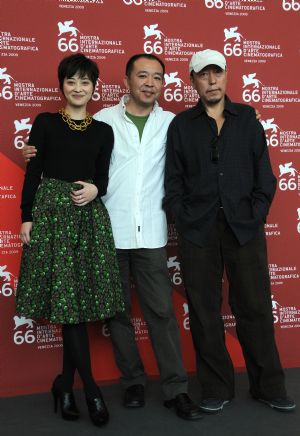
288,5
150,48
214,4
135,2
20,337
64,44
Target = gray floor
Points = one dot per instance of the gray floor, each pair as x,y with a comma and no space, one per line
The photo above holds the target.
33,415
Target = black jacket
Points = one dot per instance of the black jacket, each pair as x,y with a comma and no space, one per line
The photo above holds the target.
197,183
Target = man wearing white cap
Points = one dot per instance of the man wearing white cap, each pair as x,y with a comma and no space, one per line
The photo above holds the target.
219,187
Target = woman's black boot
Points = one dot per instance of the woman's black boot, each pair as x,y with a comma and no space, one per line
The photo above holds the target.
68,407
97,409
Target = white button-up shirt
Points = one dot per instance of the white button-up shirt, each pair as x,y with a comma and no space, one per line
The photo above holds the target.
136,178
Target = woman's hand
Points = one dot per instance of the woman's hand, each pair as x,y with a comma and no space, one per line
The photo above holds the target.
28,151
85,195
258,114
25,232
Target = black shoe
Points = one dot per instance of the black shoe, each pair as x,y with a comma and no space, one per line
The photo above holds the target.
97,410
68,407
134,396
184,407
285,404
212,405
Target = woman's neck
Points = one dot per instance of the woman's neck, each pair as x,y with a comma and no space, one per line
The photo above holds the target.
76,113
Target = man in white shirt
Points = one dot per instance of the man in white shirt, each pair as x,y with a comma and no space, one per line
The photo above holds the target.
134,202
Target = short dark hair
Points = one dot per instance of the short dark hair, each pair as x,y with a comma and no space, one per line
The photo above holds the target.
131,61
77,63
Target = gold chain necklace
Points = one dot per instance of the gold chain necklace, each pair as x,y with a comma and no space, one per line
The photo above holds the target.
72,124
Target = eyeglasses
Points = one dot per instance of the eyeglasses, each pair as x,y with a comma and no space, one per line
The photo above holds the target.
214,149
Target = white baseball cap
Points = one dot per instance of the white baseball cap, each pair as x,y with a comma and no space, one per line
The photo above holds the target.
206,57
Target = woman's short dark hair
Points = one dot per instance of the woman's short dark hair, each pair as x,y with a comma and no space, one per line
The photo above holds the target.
131,61
77,63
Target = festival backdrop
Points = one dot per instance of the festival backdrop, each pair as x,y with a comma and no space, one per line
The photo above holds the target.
260,39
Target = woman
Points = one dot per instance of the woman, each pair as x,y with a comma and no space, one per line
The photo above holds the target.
69,272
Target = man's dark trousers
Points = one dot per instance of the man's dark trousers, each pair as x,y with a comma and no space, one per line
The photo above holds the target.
149,271
250,301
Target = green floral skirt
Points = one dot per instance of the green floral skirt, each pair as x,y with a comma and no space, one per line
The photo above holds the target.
69,272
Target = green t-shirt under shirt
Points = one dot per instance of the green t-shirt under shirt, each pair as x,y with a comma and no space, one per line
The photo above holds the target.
138,121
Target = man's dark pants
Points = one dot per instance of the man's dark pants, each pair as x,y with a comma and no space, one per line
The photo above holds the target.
250,301
149,271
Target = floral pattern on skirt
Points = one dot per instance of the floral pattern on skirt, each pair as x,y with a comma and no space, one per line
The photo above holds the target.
69,272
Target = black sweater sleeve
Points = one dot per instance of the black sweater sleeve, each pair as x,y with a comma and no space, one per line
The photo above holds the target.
34,168
103,160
